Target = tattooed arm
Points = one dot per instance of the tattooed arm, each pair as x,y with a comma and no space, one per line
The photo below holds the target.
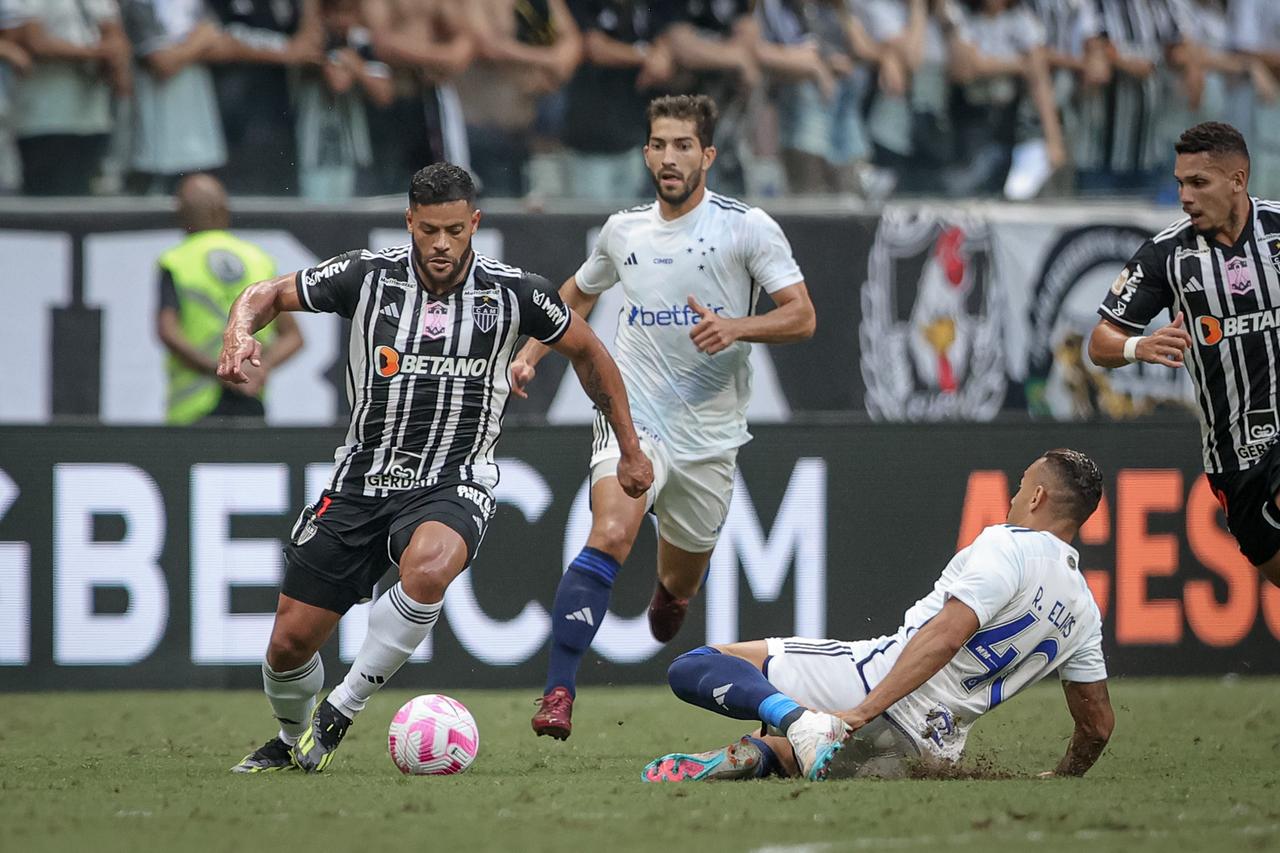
603,383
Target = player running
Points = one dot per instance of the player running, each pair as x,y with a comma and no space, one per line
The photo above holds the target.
1217,273
692,265
433,325
1007,610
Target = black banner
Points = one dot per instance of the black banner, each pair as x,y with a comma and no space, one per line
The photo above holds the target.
151,557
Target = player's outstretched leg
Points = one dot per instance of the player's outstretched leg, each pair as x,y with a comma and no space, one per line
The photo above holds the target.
747,758
734,687
397,625
292,695
582,599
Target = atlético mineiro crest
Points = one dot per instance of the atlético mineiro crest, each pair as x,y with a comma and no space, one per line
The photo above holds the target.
435,320
485,314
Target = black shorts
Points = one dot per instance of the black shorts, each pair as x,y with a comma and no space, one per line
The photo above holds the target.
341,545
1248,498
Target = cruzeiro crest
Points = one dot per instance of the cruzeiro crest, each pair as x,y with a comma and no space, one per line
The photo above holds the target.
931,321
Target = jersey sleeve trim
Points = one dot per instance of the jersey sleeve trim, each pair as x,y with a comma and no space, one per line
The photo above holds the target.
302,292
1106,314
559,333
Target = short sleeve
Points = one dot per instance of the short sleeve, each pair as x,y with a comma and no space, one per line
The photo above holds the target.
168,291
769,258
543,314
1087,664
990,576
332,286
598,273
1029,33
1140,292
883,20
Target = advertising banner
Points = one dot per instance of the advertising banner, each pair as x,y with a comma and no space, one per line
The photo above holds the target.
149,557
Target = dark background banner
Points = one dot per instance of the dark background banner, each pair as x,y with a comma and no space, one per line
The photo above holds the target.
149,557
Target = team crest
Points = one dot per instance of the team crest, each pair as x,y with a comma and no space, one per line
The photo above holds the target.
1273,249
435,320
485,314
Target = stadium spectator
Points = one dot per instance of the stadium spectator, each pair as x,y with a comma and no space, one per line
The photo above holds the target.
625,61
910,698
526,51
1078,64
1138,35
428,44
268,38
1004,103
333,128
813,49
1255,32
910,119
199,280
14,62
177,127
64,105
716,46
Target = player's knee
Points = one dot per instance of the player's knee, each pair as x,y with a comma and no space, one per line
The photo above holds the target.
684,667
613,537
290,648
426,571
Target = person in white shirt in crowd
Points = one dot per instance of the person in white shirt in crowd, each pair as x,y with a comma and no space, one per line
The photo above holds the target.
1255,33
1008,610
14,63
692,265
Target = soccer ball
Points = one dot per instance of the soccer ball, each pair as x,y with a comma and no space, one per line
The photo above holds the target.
433,735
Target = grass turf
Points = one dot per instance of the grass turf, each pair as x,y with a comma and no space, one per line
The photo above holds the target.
1192,766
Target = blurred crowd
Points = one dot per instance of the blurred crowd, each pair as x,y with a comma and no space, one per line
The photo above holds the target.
330,99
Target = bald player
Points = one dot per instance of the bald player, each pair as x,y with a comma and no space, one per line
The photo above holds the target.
199,280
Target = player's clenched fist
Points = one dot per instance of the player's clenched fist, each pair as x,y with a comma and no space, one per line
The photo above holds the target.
522,373
1165,345
635,473
236,350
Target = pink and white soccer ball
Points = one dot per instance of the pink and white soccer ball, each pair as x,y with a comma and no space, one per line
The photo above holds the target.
433,735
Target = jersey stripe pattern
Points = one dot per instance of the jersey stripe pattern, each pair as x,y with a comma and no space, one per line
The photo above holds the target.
1230,299
426,375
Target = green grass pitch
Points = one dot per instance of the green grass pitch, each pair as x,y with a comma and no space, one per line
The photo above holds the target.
1194,765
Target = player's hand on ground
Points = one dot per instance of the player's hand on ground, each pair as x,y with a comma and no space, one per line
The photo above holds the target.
854,719
712,332
1166,345
236,353
522,373
635,473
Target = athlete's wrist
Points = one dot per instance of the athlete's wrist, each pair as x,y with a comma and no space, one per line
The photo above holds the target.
1131,347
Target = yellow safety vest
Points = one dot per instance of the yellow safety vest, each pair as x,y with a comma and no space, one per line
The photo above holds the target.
210,269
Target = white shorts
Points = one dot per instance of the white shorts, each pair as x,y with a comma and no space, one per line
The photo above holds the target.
691,498
824,675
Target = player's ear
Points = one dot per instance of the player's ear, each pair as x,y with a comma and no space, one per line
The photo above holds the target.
408,219
475,221
708,156
1037,498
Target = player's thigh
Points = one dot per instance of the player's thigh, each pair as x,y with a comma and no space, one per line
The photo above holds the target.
616,516
817,673
436,534
753,652
694,502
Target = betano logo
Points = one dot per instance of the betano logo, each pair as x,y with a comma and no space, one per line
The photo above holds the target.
392,362
1213,330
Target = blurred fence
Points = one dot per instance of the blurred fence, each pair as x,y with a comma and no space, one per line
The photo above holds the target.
148,557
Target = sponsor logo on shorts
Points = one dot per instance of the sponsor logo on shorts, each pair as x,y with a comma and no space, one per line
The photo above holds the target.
392,362
402,470
479,497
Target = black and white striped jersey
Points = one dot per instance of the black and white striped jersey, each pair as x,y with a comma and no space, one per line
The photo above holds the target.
427,376
1230,300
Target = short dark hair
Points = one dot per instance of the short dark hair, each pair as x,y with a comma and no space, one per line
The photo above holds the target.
699,109
441,183
1081,480
1212,137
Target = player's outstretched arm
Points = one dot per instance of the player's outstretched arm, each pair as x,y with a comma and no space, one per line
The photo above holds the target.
257,306
1090,706
524,365
928,651
792,319
1166,345
603,383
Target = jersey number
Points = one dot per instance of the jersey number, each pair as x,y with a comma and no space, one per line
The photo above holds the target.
1000,664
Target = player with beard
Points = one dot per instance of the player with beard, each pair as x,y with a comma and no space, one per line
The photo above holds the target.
433,327
1217,274
692,265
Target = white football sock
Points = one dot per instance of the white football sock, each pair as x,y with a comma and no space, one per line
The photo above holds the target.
293,695
397,626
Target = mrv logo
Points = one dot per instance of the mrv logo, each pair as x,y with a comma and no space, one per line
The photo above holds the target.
676,315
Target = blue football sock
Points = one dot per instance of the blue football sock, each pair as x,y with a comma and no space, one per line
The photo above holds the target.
581,602
730,686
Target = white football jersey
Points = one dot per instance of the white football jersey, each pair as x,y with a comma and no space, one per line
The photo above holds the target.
722,253
1035,615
